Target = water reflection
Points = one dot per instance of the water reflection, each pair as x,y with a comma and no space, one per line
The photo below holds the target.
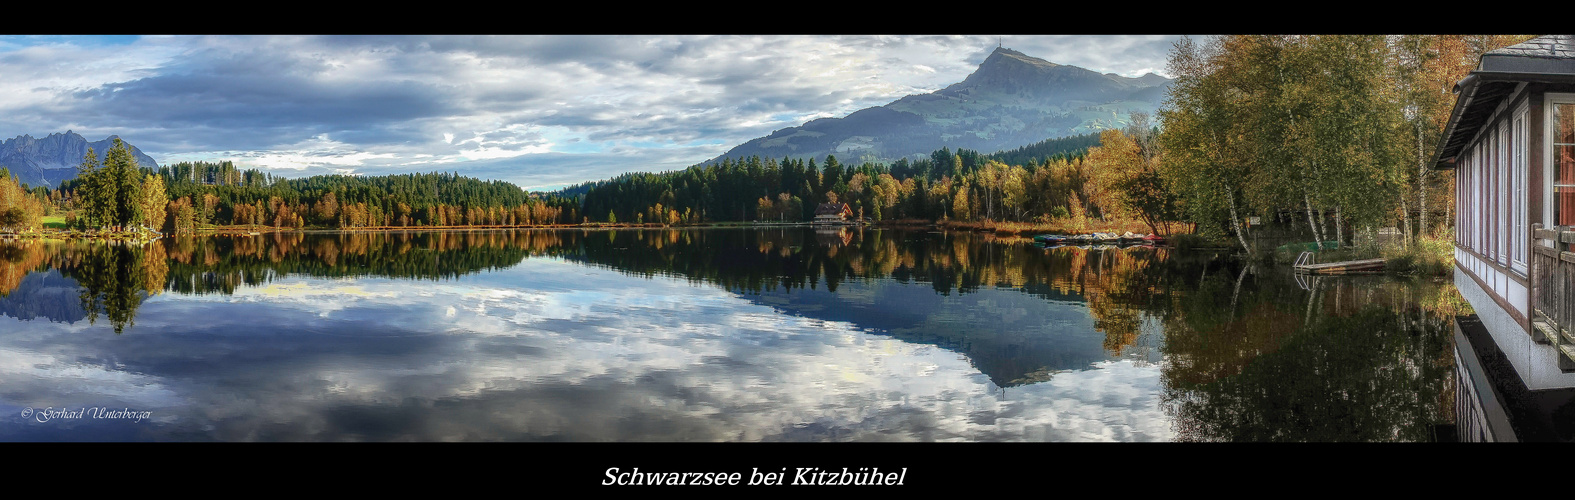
1354,359
708,334
112,278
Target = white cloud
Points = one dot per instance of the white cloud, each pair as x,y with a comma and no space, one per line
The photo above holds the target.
386,100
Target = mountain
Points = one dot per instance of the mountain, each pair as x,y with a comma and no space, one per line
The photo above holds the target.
53,159
1011,100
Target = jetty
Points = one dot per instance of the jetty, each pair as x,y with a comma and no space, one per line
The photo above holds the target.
1305,264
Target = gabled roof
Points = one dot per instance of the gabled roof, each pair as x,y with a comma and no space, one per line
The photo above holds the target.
1546,59
832,208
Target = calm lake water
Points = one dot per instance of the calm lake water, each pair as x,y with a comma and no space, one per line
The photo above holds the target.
704,335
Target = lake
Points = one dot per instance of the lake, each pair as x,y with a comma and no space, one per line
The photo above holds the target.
712,334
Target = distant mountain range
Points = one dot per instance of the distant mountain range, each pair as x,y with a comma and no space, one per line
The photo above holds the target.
53,159
1012,100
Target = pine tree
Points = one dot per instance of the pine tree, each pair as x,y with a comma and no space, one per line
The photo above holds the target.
124,200
92,192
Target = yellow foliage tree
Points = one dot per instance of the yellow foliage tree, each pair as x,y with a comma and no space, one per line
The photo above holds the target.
19,211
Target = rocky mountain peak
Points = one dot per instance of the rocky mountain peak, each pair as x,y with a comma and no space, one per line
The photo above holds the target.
54,158
1003,56
1005,66
1011,100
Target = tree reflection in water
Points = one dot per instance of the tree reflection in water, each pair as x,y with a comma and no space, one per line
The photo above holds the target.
1246,354
114,276
1353,359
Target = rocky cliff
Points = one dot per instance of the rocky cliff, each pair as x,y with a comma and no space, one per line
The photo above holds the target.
49,160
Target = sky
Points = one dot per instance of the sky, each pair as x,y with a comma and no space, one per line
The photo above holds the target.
542,112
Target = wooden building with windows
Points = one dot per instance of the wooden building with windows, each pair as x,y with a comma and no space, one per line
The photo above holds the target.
1511,142
832,213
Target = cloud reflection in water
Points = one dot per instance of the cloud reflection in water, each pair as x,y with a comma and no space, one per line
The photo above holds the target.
546,350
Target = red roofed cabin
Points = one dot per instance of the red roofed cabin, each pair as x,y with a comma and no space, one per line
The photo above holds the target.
1511,142
832,213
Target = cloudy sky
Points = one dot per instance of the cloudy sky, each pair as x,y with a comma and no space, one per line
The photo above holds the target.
539,111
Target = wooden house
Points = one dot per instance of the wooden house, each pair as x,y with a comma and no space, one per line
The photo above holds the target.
1511,142
832,213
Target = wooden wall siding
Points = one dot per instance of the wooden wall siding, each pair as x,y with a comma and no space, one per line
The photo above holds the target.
1509,290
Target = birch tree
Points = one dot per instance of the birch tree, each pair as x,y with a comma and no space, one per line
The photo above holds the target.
1203,139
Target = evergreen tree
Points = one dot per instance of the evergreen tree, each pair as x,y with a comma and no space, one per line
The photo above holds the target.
124,201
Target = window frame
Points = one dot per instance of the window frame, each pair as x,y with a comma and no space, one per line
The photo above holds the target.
1549,101
1520,170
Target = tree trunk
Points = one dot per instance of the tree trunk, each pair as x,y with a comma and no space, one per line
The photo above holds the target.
1339,227
1235,222
1323,223
1421,187
1317,237
1405,217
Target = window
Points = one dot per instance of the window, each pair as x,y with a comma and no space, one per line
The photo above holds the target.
1563,165
1483,223
1472,207
1519,231
1559,169
1500,195
1463,202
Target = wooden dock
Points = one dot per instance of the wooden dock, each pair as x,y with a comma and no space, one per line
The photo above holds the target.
1346,267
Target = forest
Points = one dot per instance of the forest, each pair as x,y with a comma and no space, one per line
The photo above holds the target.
1330,131
120,195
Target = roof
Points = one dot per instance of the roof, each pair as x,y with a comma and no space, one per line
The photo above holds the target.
1551,54
831,208
1545,59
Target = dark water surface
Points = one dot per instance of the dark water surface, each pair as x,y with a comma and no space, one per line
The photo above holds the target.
704,335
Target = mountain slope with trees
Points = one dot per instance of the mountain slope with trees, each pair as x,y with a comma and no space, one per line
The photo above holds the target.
1011,100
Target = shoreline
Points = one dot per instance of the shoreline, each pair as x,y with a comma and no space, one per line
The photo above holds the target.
999,228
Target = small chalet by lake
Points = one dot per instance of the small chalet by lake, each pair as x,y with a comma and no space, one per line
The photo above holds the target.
833,213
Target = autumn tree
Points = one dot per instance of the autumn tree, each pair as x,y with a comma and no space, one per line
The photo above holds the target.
153,202
19,210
